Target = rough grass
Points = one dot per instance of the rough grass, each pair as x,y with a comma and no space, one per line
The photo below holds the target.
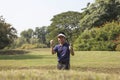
39,64
38,74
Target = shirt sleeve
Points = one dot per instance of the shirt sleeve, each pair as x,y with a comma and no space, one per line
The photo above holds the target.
55,48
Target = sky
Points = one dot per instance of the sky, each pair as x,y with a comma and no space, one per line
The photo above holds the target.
25,14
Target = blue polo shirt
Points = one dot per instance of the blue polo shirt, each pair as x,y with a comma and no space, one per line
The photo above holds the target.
63,52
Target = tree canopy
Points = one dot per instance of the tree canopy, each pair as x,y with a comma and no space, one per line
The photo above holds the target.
66,22
99,13
7,33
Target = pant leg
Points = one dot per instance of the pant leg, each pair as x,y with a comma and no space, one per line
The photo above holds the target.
63,66
59,66
66,66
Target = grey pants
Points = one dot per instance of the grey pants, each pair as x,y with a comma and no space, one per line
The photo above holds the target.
63,65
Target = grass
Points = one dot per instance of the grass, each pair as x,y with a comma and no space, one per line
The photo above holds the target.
36,74
39,64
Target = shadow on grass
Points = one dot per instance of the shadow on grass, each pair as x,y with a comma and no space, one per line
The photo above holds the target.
12,52
19,57
16,55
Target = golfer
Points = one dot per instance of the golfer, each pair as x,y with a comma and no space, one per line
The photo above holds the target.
63,50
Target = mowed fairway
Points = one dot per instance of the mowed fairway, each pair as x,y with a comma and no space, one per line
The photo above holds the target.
39,64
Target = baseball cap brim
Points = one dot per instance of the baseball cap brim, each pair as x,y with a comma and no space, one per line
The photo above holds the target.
61,35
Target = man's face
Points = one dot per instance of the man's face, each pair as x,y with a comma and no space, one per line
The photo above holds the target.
61,39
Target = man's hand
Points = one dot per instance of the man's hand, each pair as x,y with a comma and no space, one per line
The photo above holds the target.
51,43
71,50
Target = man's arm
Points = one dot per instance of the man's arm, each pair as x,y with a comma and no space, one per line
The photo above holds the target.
51,46
52,50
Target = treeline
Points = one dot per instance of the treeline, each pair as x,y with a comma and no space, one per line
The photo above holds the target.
31,39
97,27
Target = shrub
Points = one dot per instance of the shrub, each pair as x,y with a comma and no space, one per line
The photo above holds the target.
32,46
117,47
99,38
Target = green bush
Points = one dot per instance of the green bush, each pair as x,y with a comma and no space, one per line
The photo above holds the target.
117,47
41,46
27,46
32,46
99,38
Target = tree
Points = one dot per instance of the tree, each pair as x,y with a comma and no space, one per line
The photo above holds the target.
40,33
27,34
66,22
31,39
7,33
99,13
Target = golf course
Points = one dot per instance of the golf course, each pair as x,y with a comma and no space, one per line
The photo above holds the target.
40,64
39,38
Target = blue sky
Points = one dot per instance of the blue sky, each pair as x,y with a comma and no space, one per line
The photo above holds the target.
25,14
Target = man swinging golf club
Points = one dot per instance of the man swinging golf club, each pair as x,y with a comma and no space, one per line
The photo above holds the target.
63,50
